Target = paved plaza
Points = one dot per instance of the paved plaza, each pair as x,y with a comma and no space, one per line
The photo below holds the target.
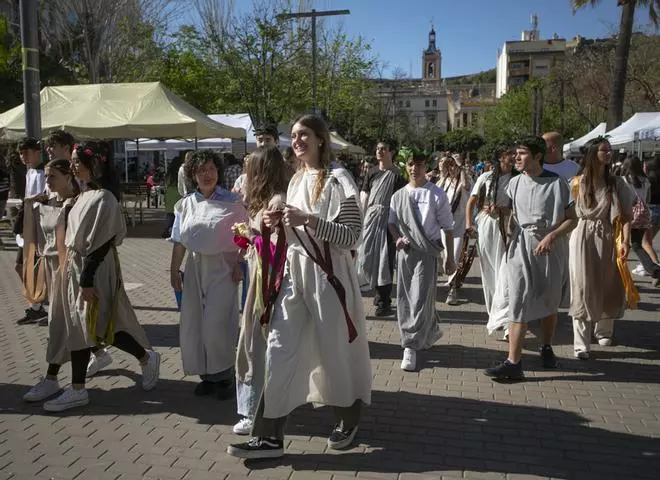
597,419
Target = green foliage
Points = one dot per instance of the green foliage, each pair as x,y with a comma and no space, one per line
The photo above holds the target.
464,141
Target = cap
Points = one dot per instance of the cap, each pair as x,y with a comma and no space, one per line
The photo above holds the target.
267,129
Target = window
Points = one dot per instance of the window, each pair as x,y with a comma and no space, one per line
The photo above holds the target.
430,118
426,103
400,103
465,119
435,103
408,103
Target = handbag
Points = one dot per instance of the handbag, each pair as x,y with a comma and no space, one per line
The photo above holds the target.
641,215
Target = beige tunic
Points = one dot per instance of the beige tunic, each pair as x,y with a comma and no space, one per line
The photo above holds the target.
95,219
596,288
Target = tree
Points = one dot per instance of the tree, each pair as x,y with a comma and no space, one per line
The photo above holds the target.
106,40
618,90
463,140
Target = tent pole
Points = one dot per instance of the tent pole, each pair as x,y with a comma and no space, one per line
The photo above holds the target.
195,143
125,165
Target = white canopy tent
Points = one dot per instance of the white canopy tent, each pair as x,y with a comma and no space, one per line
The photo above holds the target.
626,134
573,147
237,120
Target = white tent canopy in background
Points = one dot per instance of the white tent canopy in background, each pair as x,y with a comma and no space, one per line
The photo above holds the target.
117,111
237,120
628,132
574,146
342,145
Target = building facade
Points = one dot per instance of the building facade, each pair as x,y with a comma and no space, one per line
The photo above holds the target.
529,57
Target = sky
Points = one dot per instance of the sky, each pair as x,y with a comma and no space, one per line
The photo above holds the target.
469,32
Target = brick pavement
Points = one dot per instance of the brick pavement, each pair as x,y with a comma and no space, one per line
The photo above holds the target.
596,419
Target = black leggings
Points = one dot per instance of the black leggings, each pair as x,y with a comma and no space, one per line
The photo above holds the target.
80,358
384,292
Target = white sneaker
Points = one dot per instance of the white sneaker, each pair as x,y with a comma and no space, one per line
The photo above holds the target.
151,371
243,427
98,362
451,297
42,390
605,342
640,271
409,361
70,398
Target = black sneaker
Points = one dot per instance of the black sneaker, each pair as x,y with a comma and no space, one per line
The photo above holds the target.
257,447
43,322
384,310
204,388
225,390
340,438
506,371
548,358
32,316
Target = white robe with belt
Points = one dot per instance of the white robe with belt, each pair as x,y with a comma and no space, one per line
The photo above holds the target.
209,307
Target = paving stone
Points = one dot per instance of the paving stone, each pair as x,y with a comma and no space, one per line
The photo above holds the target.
445,421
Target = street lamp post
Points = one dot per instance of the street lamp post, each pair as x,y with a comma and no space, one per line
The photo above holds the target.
31,82
313,15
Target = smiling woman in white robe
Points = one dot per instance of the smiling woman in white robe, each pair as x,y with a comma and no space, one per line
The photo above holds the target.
209,306
317,345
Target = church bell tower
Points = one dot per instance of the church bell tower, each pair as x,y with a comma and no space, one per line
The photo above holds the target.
431,60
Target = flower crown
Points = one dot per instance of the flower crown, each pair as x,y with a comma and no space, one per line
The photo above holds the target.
88,151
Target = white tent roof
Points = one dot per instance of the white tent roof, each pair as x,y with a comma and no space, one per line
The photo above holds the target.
574,146
624,134
237,120
117,111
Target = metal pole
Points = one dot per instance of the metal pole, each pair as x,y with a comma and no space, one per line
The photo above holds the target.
313,61
30,53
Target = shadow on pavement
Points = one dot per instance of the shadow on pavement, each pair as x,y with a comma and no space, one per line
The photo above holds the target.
403,431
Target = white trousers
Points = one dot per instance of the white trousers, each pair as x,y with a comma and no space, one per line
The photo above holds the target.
604,328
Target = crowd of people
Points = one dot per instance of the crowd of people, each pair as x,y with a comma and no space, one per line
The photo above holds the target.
307,238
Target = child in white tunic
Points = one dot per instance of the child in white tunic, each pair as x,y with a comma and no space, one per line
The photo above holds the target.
209,306
419,212
317,345
490,199
457,186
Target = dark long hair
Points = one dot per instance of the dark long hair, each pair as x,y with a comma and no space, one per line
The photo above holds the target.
172,176
491,191
633,171
591,166
97,158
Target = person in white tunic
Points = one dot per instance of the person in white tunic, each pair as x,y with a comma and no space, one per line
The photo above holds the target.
209,305
94,304
317,344
492,204
419,212
265,250
599,247
457,185
533,277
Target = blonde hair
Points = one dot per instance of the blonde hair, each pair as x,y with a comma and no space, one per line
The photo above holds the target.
320,129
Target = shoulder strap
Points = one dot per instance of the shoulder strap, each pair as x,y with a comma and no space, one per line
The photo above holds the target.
326,265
